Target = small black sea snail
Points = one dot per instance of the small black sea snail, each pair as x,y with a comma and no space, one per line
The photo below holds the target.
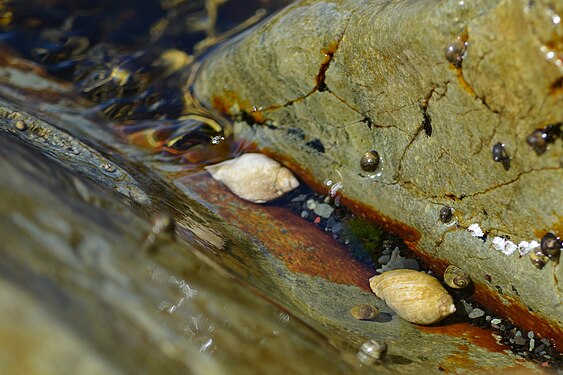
537,141
500,155
540,138
446,214
455,52
364,312
370,161
551,245
455,278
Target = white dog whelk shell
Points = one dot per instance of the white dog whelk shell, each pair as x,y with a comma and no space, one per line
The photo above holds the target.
413,295
254,177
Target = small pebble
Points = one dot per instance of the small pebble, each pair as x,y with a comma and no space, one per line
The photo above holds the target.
488,318
299,198
411,264
531,334
546,342
532,345
336,228
311,204
476,313
467,308
539,349
519,340
304,214
496,321
384,259
323,210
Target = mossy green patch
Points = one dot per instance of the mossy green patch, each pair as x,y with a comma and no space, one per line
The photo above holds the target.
365,239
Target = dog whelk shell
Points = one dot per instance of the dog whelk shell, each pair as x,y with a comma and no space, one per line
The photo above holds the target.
254,177
413,295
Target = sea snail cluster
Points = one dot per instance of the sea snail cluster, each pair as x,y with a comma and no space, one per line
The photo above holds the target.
550,249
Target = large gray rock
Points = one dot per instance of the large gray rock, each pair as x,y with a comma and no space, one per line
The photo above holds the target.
322,82
78,279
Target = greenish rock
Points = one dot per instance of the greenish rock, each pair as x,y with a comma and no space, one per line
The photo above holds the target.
78,280
326,81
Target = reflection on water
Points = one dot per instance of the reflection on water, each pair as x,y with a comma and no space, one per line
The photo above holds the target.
137,60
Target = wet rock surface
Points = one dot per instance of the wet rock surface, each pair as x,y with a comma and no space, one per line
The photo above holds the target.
75,244
454,104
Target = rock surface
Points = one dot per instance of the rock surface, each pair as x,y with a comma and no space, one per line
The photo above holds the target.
322,82
255,292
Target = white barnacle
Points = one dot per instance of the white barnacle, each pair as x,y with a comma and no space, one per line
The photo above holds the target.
507,247
476,230
498,243
524,247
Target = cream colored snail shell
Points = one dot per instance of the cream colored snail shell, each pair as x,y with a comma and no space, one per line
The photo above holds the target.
413,295
364,312
372,351
454,277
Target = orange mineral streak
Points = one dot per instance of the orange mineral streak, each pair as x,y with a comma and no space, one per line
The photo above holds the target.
506,306
225,102
458,359
474,335
299,244
461,360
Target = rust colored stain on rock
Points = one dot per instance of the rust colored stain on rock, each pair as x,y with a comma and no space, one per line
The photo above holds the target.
229,99
299,244
506,306
458,360
475,335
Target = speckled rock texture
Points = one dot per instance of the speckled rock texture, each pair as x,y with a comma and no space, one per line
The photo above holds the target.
322,82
